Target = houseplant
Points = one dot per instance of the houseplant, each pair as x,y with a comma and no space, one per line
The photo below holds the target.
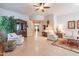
7,25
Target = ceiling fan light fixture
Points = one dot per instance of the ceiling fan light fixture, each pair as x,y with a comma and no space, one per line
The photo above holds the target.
42,6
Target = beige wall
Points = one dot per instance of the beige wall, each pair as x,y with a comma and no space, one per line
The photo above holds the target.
63,20
30,28
51,20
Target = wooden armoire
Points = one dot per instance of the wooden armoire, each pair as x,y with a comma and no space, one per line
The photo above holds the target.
21,27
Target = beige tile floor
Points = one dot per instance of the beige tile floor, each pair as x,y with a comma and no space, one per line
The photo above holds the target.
39,46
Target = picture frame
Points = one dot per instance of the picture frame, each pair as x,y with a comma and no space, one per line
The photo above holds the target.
77,24
71,24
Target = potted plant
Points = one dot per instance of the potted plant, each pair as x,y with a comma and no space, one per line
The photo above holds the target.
7,25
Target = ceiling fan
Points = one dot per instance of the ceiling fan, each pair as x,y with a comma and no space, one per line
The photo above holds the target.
41,6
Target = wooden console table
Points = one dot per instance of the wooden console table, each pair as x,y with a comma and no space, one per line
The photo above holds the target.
60,35
44,34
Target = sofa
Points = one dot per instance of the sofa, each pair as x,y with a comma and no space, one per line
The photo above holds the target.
18,38
70,34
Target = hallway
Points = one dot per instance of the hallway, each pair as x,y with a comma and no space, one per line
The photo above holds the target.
39,46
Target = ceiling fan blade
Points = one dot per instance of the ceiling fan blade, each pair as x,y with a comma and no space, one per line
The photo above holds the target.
36,9
40,4
42,10
46,7
35,5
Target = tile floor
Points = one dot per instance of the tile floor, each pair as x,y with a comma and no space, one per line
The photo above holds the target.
39,46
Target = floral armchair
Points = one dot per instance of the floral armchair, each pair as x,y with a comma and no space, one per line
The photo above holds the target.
13,36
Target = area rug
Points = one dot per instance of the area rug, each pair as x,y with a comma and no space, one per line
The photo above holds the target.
58,44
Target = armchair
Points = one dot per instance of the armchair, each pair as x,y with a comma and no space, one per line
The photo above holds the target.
52,36
10,45
19,39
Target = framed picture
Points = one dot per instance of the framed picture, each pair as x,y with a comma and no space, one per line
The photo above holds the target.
71,24
77,24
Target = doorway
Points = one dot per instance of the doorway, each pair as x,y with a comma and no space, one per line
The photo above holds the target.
36,27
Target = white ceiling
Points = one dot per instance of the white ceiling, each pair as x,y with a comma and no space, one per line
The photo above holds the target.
29,9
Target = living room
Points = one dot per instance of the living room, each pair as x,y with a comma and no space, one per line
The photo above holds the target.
57,25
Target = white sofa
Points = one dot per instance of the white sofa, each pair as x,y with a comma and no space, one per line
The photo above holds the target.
52,36
19,38
69,34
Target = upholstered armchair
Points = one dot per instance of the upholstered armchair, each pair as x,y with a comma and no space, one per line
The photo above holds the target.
19,38
9,45
52,36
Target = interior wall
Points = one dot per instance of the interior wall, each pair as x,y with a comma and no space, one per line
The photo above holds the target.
63,20
30,28
38,18
51,21
55,22
4,12
41,27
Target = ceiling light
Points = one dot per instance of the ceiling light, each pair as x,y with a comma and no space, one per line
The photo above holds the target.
41,6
